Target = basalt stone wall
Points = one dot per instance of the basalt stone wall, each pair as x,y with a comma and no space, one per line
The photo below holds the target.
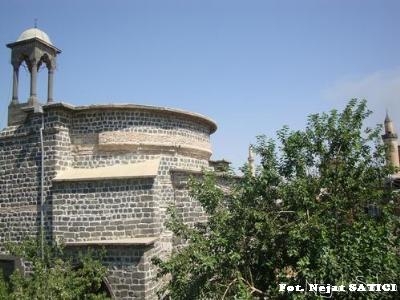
189,209
110,137
131,273
111,209
98,132
19,183
20,176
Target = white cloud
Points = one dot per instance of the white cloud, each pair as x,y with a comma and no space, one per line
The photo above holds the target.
381,89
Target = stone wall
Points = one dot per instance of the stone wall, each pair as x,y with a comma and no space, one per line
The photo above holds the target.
81,138
19,182
109,209
189,209
131,272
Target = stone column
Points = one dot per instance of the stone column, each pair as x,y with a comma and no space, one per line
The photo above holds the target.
15,85
33,94
50,85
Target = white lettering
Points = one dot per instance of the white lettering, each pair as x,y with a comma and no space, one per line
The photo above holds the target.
361,288
299,289
352,287
338,288
329,289
374,287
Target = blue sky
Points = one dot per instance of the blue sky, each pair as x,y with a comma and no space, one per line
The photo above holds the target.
252,66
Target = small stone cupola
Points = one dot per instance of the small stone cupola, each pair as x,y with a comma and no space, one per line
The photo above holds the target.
34,48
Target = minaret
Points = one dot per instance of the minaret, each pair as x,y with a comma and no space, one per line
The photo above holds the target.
250,160
390,139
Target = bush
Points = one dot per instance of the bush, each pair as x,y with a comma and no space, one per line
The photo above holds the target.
53,275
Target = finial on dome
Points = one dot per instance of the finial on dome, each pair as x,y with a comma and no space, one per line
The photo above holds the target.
35,22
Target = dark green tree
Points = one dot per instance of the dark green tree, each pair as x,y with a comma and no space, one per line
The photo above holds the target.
54,275
319,210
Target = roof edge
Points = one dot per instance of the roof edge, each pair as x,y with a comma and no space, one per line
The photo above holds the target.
10,45
211,123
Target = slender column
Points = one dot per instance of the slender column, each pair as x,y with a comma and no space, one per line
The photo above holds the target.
33,94
15,85
50,85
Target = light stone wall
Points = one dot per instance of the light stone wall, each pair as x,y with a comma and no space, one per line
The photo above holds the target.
119,140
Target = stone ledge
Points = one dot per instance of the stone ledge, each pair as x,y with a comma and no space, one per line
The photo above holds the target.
142,241
13,207
170,148
146,169
115,140
12,133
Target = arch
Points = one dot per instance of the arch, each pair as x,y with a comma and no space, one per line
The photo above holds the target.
47,61
17,61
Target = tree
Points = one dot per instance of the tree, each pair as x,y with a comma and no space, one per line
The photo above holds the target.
302,219
54,275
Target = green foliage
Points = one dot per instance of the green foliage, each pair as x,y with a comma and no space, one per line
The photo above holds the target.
4,287
301,219
54,276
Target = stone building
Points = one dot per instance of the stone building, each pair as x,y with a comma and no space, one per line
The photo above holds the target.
97,175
